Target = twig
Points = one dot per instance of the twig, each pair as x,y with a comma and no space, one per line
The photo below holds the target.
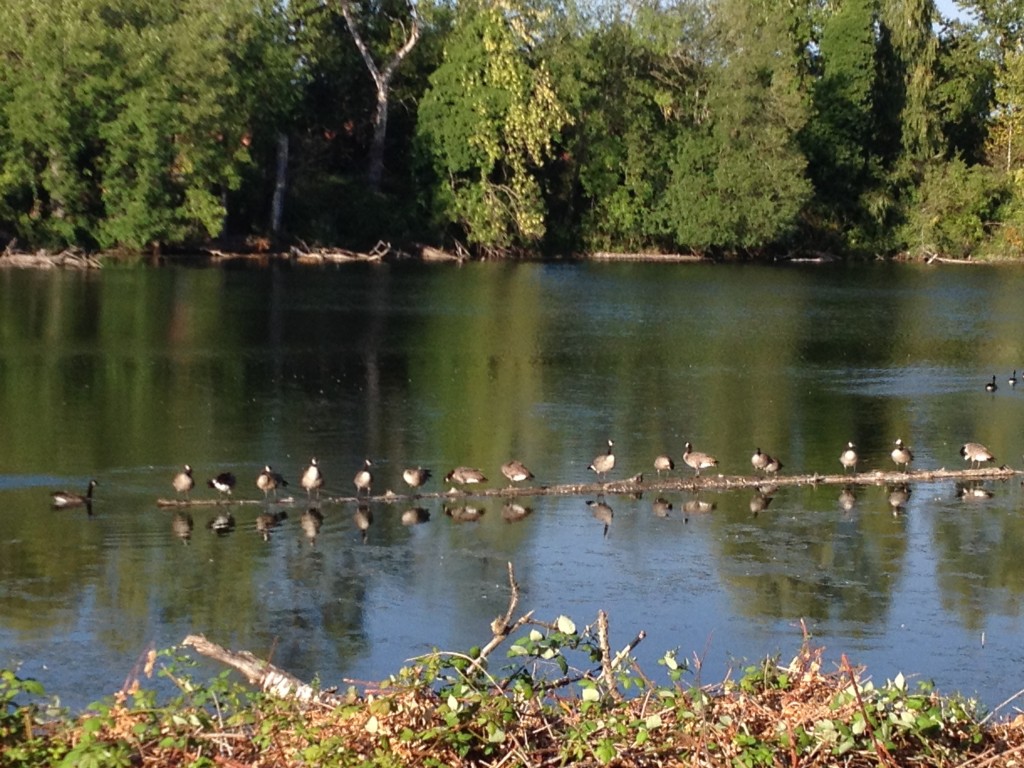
991,714
883,754
607,667
501,626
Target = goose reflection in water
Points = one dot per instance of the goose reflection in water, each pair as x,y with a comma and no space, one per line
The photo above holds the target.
973,491
363,518
181,525
222,524
415,516
311,521
760,500
513,513
698,507
848,498
464,514
661,507
268,521
899,495
601,512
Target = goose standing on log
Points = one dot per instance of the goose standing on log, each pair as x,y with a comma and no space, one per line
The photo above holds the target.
363,479
698,460
976,453
759,460
603,463
312,479
901,455
415,477
224,484
516,472
772,466
848,458
268,480
663,463
183,482
62,499
465,476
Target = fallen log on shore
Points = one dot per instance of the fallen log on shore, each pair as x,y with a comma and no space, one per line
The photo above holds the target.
640,484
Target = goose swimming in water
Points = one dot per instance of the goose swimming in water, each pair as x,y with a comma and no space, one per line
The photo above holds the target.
62,499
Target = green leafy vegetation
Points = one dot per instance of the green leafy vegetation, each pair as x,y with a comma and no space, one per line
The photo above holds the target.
560,699
724,127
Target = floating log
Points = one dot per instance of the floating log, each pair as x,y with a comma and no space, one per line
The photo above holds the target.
640,484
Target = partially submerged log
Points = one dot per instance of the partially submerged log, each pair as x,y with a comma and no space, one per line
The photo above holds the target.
640,484
70,258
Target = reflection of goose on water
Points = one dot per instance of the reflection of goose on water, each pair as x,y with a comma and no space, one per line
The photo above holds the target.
899,495
602,512
976,453
847,499
267,521
513,513
268,480
222,524
183,482
661,507
973,492
363,518
603,463
464,514
516,471
415,516
224,483
698,460
698,507
311,521
312,479
61,499
181,525
759,502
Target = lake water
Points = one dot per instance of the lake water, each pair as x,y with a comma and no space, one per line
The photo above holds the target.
123,375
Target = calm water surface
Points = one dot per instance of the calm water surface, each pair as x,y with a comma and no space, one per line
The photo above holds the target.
125,375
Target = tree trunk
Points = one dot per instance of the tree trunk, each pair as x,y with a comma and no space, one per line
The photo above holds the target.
280,185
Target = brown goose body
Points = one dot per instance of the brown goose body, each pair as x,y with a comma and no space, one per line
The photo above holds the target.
363,479
415,477
603,463
465,476
183,482
697,460
268,480
901,455
516,471
976,453
312,479
848,458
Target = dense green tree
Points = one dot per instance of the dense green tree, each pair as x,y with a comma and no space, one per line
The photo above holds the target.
964,91
739,178
488,122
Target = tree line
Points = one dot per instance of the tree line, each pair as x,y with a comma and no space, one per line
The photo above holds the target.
727,127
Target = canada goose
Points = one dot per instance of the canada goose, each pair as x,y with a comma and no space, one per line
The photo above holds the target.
661,507
363,518
848,458
602,512
664,463
901,455
269,480
604,463
267,521
363,478
991,386
61,499
772,466
465,476
1012,381
183,482
415,516
976,453
416,476
312,479
513,513
516,472
311,521
698,460
224,483
759,460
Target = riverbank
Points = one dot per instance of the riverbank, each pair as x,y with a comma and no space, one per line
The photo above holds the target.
447,710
